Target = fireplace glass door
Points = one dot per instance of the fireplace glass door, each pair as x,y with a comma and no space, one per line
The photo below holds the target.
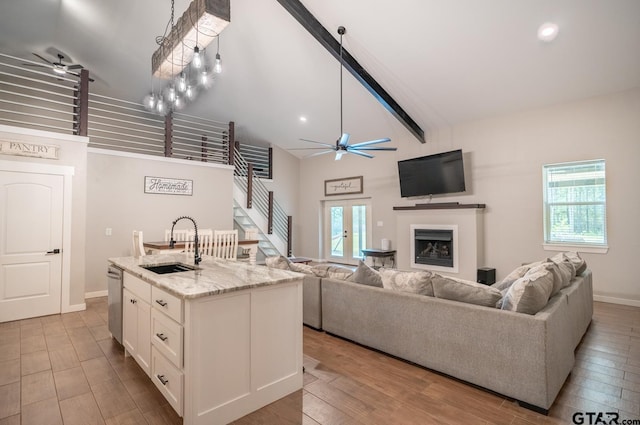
347,230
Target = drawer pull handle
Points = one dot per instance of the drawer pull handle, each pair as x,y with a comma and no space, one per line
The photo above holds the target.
133,301
162,303
162,336
162,379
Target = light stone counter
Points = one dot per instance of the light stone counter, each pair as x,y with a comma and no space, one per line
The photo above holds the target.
211,278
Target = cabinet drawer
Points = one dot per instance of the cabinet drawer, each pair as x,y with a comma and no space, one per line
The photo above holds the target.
167,303
138,287
166,336
168,379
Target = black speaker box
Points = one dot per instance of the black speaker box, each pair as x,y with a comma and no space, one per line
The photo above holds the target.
487,275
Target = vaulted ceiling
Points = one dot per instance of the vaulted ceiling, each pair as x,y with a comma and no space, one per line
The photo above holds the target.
443,61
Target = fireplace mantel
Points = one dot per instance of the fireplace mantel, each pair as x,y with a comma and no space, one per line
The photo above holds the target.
440,206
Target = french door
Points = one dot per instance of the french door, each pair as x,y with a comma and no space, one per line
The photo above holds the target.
347,230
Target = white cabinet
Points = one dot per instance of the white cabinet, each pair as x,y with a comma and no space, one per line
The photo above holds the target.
136,320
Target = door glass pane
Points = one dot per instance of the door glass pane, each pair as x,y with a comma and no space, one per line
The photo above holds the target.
337,231
359,229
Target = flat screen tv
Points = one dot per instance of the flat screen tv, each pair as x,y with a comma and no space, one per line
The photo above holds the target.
432,174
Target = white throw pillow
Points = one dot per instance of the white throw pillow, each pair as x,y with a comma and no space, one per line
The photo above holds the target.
414,282
530,293
278,262
567,269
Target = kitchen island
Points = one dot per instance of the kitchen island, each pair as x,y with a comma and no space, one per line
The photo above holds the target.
219,341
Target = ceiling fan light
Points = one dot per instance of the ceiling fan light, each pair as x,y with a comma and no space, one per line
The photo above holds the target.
59,69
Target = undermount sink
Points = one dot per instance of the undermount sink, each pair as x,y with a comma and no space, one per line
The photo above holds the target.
169,268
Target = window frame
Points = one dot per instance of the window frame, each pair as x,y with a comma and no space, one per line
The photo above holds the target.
552,245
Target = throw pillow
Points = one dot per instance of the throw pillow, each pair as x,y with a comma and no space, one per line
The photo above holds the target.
301,268
578,262
366,275
566,267
413,282
331,271
558,276
530,293
465,291
516,274
278,262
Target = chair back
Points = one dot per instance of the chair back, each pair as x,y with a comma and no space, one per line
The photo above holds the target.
179,235
138,247
205,240
225,244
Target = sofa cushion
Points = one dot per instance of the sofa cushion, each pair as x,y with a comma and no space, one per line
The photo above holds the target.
465,291
366,276
413,282
530,293
278,262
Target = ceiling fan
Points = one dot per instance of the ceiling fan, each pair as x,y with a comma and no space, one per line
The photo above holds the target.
342,145
59,67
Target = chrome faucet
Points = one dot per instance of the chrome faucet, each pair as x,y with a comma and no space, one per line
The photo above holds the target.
172,243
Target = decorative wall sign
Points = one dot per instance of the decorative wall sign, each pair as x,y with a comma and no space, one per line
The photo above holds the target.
343,186
168,186
36,150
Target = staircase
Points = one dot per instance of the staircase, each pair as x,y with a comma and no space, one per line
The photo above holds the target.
254,207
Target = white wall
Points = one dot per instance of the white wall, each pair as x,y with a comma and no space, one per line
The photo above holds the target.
503,161
116,200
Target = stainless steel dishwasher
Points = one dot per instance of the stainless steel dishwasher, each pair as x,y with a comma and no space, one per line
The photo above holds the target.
114,290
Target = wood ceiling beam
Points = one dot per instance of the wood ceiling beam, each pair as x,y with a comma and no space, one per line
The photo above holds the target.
324,37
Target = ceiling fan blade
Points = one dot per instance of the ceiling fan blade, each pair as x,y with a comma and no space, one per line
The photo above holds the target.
78,75
339,154
43,59
366,155
36,65
319,143
373,142
319,153
344,139
364,148
302,149
77,66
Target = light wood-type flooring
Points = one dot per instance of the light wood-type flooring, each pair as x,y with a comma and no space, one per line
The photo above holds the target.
67,369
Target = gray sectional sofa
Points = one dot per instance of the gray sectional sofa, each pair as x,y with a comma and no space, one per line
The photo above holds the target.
526,357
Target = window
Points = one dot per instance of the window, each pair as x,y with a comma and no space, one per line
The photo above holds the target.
575,204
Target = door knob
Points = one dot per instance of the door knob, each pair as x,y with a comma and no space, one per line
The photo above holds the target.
54,251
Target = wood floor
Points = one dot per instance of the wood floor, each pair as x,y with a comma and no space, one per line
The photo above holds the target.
67,369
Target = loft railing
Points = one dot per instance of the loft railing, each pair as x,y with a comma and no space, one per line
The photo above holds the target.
32,97
262,199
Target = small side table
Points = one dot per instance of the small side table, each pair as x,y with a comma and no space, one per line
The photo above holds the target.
382,254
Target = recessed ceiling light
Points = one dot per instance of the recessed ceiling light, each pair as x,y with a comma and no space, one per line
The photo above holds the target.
547,31
303,119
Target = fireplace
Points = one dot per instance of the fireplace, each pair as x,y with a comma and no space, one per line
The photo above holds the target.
434,247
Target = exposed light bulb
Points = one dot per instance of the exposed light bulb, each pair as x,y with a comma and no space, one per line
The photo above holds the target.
160,106
150,101
171,93
190,92
217,68
197,58
181,82
178,103
204,77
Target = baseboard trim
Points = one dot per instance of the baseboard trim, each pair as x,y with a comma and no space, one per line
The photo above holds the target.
95,294
75,307
614,300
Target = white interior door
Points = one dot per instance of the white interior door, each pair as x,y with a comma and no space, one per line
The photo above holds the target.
347,230
31,218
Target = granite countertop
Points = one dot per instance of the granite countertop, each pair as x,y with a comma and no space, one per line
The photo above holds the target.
212,277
